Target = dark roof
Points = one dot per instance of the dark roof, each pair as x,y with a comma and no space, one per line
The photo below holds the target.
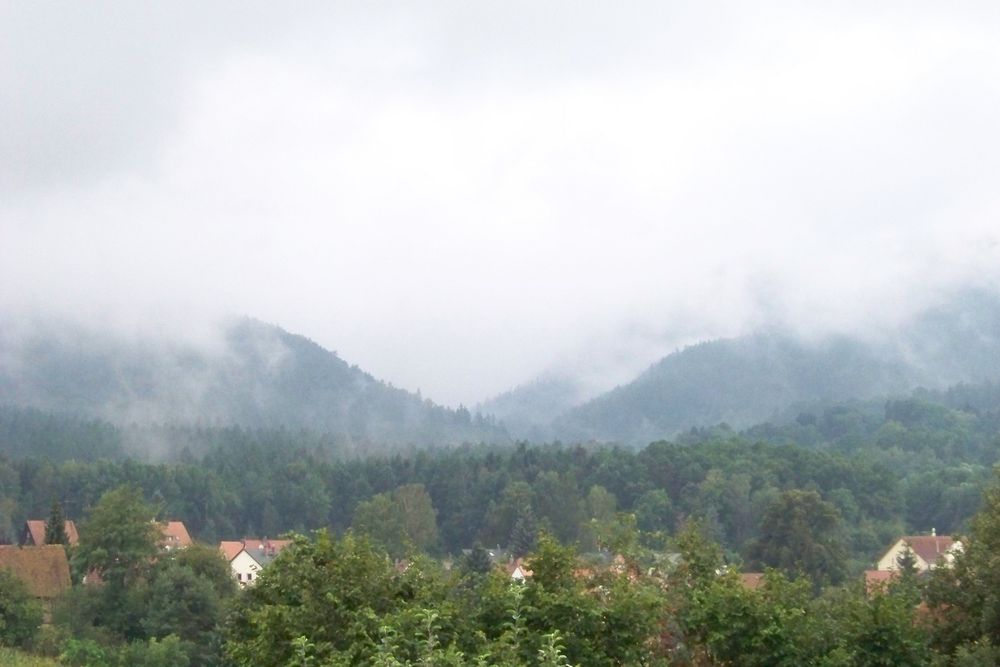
44,570
263,551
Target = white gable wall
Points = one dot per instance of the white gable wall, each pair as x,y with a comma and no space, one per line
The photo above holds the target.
245,568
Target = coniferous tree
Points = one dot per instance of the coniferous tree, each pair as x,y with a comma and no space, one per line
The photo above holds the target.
524,535
55,527
477,561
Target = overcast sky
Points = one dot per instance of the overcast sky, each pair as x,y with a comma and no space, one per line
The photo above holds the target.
458,196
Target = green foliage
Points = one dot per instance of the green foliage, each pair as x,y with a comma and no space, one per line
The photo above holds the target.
119,538
20,615
800,534
328,601
477,562
400,522
84,653
12,658
55,527
166,652
964,600
331,591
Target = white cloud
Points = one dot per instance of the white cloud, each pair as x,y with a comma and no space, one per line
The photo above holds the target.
458,198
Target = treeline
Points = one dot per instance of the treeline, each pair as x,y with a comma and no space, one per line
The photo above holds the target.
885,468
254,486
481,494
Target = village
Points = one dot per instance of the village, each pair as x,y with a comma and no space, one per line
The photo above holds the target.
44,568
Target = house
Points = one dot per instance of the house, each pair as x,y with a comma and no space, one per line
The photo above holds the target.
43,569
175,536
247,557
752,580
34,533
929,551
518,570
876,579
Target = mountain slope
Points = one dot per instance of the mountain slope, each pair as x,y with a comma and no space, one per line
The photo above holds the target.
740,381
254,375
748,379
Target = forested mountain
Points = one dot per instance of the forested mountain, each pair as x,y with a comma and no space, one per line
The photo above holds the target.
748,379
905,465
254,375
528,410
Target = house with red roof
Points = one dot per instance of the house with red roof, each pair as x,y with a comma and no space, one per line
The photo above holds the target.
929,551
518,570
43,569
34,533
175,536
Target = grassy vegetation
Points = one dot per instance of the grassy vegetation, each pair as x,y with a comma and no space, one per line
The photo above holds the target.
11,658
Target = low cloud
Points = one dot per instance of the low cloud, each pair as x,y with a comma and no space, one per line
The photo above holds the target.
458,199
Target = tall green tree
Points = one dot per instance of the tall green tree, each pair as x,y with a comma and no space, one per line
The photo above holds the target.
20,615
55,527
399,522
800,533
964,598
119,537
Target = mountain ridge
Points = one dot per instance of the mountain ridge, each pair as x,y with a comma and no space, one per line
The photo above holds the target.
255,375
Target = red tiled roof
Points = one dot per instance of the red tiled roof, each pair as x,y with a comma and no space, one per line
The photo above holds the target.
270,548
752,580
876,579
44,570
230,548
35,532
175,535
512,567
929,547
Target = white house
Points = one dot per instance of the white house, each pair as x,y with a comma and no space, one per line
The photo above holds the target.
929,551
247,557
518,570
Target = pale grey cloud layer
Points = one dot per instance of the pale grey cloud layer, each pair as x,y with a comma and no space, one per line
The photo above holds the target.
457,196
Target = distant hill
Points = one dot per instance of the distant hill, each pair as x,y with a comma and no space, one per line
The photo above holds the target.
254,375
528,410
749,379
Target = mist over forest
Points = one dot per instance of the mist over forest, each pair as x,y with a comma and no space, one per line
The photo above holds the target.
257,375
543,334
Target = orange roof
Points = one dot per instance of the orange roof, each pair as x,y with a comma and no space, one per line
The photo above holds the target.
514,565
929,547
752,580
44,570
35,532
256,548
878,578
175,535
231,548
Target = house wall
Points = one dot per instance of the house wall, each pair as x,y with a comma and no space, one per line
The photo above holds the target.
889,560
245,569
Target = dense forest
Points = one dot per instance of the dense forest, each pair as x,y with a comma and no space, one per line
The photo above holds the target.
886,467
